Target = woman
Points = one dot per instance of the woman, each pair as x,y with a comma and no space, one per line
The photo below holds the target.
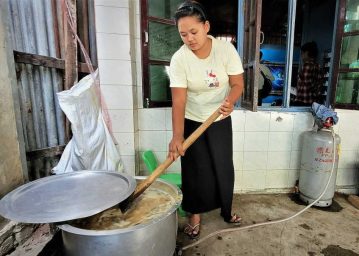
205,74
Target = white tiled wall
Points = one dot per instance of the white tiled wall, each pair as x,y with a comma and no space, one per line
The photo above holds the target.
270,158
115,69
267,155
348,168
267,145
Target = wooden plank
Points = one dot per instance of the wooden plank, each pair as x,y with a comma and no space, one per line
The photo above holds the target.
351,33
253,16
348,70
162,21
38,60
56,28
248,65
70,54
45,152
92,32
46,61
83,26
60,23
347,106
354,200
83,68
70,47
159,62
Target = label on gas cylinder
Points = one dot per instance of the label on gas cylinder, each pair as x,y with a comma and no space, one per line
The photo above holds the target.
324,154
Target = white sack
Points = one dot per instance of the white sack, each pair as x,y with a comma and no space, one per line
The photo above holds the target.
91,147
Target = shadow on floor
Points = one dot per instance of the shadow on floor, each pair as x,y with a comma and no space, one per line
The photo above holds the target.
334,207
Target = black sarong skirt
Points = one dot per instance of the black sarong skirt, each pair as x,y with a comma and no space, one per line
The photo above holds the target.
207,169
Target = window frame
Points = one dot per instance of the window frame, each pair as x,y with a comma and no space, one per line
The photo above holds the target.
333,73
146,62
250,100
339,36
251,43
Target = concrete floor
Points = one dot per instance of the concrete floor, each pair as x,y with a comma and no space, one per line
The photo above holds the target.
330,231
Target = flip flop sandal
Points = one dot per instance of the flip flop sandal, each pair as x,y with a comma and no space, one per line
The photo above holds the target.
235,219
192,231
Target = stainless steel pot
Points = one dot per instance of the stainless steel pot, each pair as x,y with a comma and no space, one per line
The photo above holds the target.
157,237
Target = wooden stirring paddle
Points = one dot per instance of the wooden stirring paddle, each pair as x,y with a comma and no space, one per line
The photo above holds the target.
141,187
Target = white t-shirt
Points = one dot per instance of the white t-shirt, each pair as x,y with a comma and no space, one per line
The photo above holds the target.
206,80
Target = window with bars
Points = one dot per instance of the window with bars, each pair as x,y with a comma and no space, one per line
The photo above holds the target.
160,40
346,73
268,30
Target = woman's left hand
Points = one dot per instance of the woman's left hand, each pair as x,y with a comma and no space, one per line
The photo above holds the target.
226,108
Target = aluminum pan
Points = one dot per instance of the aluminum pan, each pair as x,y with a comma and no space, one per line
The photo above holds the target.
66,196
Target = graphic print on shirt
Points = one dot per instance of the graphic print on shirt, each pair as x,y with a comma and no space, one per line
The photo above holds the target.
211,79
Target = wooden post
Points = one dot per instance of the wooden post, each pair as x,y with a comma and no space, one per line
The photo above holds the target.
70,53
70,48
56,28
83,26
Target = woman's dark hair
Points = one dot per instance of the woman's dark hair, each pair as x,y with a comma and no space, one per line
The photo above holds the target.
311,48
190,8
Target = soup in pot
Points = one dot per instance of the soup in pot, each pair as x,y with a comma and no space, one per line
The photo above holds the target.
153,203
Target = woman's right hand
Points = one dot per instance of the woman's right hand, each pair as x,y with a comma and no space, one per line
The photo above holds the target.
175,148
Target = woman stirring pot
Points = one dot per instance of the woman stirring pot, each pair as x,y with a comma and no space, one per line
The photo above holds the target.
205,73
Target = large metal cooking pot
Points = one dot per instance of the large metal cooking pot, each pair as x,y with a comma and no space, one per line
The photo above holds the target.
156,237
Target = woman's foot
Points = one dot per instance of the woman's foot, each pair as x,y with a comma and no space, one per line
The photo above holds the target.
192,229
236,219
